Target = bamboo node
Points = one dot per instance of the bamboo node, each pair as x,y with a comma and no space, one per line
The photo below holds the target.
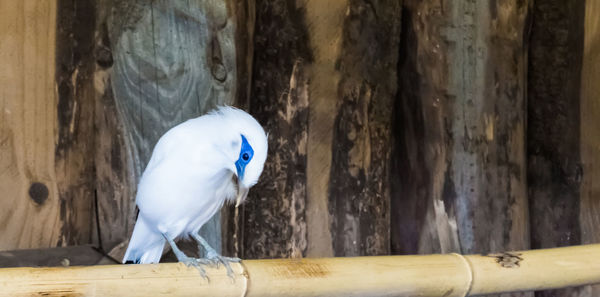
469,270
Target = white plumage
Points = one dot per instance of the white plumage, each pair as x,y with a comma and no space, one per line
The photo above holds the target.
195,167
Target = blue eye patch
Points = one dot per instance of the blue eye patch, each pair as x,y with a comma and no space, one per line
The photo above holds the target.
246,154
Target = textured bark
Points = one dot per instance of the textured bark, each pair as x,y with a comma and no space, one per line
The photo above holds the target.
553,148
273,220
359,195
462,105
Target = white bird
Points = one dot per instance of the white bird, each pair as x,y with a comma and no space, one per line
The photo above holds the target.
193,170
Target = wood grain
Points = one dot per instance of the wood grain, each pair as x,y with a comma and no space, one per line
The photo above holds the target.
173,60
324,82
359,190
462,105
274,222
75,171
327,17
29,213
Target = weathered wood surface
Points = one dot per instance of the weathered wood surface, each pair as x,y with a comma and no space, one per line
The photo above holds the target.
589,132
170,61
323,84
553,127
273,222
554,163
359,190
27,125
461,128
75,172
44,130
324,74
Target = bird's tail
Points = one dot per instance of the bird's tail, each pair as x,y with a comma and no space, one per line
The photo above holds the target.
145,246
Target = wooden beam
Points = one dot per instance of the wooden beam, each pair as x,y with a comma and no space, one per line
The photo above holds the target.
30,206
427,275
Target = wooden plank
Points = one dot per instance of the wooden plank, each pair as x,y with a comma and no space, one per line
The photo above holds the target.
324,83
553,140
461,167
54,257
330,16
359,190
75,172
273,220
590,135
554,170
30,205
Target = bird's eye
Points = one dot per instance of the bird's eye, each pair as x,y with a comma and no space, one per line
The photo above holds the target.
245,157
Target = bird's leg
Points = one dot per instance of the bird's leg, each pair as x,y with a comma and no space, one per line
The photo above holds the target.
188,261
213,256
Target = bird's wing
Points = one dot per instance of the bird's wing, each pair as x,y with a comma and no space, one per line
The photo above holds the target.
185,180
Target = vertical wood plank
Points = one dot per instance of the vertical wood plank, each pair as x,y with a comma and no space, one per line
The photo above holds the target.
274,223
553,123
30,205
359,194
420,220
330,16
462,104
590,134
75,172
324,82
554,170
115,210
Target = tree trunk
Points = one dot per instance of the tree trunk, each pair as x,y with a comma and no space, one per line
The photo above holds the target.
461,125
324,93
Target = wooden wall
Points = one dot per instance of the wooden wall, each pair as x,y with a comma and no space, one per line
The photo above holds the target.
394,126
46,128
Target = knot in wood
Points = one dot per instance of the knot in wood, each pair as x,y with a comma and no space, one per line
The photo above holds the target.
218,71
38,192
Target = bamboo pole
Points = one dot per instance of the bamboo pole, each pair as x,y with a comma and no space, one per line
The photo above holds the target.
427,275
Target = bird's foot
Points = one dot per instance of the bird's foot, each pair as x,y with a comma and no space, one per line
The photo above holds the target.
197,263
216,259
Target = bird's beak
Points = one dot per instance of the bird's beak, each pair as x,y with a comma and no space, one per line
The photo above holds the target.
241,195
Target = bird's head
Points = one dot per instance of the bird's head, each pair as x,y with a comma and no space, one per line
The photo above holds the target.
249,149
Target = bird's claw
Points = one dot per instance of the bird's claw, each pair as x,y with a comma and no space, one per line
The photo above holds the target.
217,259
197,263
